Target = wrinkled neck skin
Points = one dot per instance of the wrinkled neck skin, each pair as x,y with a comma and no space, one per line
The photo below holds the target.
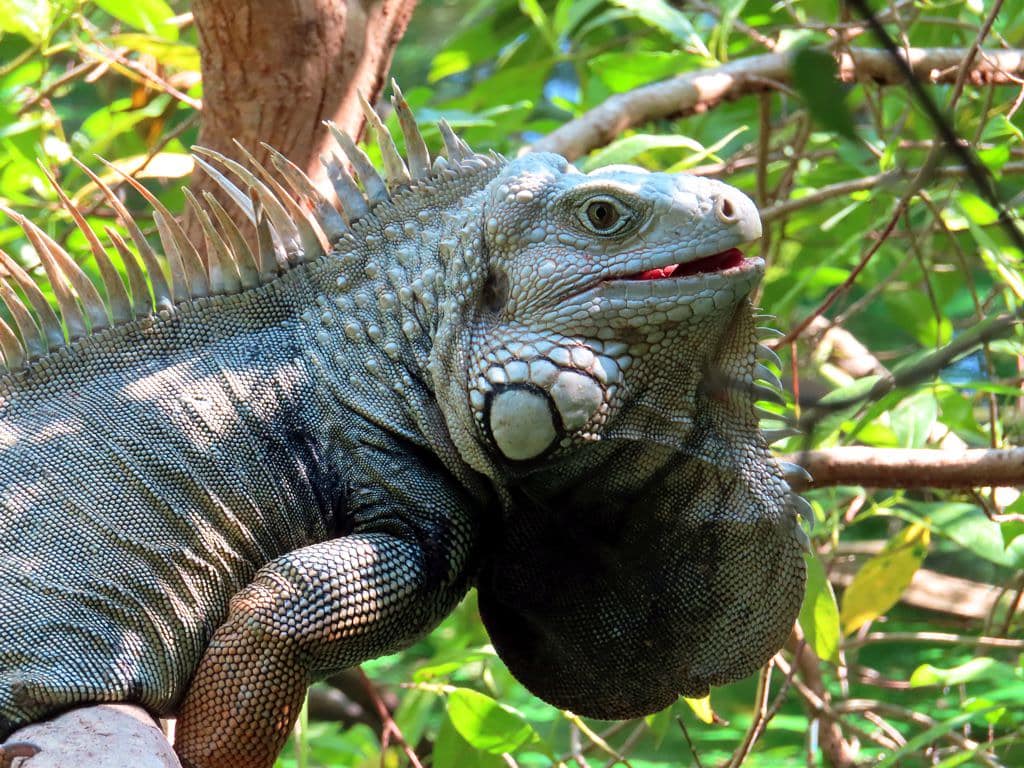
380,301
657,561
695,404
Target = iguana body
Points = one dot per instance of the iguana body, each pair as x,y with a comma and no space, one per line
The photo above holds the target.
288,461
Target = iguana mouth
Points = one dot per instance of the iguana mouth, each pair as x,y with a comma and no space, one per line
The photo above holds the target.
716,262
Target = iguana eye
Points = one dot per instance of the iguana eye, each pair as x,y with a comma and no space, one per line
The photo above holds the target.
603,215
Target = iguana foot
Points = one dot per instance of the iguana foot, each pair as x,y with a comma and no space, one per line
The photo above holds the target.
12,750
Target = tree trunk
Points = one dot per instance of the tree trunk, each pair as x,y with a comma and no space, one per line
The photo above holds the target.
274,70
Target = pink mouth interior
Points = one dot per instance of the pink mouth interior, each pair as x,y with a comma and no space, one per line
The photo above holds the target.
717,262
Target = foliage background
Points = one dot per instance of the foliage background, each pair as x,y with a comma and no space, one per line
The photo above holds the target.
909,683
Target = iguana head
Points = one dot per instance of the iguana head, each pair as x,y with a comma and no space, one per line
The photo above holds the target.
606,363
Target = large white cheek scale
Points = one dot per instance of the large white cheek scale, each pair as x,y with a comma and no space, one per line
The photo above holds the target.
576,397
522,419
521,423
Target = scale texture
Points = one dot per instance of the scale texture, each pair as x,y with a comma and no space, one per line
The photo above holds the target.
237,471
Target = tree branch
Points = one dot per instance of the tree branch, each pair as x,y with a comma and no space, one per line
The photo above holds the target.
699,91
99,736
912,468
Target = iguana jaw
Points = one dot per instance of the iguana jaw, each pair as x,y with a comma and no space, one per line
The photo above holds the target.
651,284
723,261
719,269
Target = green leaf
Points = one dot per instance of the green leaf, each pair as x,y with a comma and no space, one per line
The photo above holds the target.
819,614
966,525
816,78
881,580
535,13
1011,530
444,664
623,71
913,418
569,13
31,19
150,16
453,751
981,668
659,14
659,724
486,724
626,149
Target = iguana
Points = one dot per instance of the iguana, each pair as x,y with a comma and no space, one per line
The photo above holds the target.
300,451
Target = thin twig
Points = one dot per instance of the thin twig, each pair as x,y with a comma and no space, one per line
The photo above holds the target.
388,725
917,718
938,638
689,742
760,712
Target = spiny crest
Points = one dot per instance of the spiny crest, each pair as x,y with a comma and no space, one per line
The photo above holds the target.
295,223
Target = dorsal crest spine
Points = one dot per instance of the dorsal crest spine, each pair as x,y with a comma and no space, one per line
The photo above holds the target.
295,223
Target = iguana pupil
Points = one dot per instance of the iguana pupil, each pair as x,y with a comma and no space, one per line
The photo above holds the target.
602,215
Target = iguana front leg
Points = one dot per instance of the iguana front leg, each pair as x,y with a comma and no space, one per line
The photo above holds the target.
325,607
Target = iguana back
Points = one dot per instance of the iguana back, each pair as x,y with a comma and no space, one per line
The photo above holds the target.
145,475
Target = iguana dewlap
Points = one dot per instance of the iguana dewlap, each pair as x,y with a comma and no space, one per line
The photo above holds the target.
298,452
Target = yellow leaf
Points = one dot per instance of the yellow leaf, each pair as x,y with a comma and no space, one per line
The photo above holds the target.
881,580
702,709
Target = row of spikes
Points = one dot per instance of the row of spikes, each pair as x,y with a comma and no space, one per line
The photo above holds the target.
294,222
767,387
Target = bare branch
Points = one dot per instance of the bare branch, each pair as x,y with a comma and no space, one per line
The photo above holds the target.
98,736
913,468
699,91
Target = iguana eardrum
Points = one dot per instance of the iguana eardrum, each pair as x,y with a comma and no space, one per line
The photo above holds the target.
299,453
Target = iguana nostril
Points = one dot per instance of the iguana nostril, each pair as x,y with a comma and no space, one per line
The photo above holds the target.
725,210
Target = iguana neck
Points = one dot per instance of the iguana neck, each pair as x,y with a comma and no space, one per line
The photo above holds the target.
382,302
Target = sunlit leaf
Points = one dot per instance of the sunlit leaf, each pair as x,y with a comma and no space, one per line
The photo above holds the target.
448,63
29,18
968,526
175,55
981,668
486,724
881,580
621,71
152,16
163,165
1011,530
912,419
569,13
702,709
535,13
451,750
819,614
627,149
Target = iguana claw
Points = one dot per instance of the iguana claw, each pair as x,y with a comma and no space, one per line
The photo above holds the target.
12,750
